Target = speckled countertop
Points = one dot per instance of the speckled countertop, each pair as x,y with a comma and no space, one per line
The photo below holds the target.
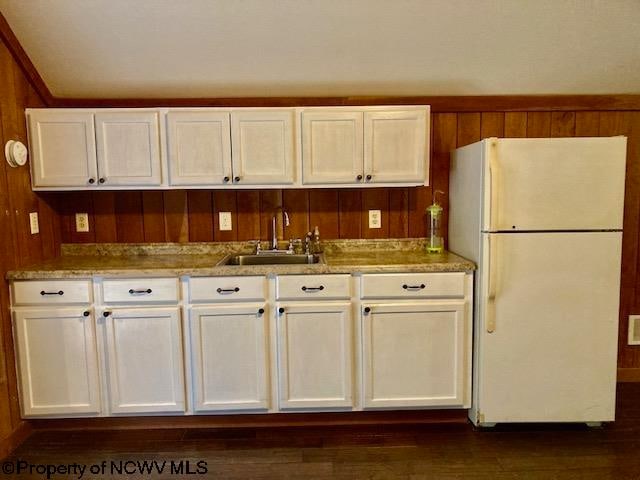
201,259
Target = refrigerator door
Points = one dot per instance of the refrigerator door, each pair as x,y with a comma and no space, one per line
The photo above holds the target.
547,329
554,184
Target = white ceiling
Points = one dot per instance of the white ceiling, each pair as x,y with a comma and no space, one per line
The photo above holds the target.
211,48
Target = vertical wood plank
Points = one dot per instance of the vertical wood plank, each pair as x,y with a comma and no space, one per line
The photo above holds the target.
515,124
129,220
153,216
104,216
398,212
419,199
200,207
492,125
375,199
176,219
50,225
445,133
248,208
324,212
225,201
270,200
587,124
563,124
350,211
296,203
468,129
538,124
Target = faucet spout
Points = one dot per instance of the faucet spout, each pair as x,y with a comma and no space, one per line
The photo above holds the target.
274,219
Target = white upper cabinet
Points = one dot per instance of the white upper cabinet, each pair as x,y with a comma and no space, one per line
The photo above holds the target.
332,146
365,146
395,146
199,147
263,146
63,148
128,148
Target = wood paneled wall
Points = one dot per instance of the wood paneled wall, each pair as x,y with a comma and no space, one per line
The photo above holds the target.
18,246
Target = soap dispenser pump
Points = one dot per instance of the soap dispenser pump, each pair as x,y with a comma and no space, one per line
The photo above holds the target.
435,240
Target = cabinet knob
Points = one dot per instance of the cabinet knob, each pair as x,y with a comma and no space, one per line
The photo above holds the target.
225,179
106,314
367,309
102,180
359,177
260,311
369,177
281,310
236,179
92,180
86,313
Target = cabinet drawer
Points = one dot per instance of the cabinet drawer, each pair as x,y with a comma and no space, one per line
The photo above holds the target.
413,285
304,287
225,289
39,292
140,290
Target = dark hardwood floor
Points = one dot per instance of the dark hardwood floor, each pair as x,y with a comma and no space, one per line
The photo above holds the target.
438,451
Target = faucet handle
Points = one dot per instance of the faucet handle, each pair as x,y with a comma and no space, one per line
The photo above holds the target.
293,242
258,245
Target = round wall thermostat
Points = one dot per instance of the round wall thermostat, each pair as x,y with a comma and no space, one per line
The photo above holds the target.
16,153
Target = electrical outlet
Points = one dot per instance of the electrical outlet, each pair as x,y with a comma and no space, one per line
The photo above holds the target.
33,223
375,220
224,221
82,222
634,330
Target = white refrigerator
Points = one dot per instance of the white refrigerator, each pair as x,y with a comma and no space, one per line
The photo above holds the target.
542,219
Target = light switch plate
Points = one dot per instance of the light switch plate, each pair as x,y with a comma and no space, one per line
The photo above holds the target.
224,221
375,220
33,223
82,222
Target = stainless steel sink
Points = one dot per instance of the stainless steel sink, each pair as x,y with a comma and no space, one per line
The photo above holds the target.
272,259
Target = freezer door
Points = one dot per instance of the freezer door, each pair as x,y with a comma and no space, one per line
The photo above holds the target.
547,329
554,184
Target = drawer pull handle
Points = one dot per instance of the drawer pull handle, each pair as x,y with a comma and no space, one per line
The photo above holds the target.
86,313
106,314
367,310
313,289
260,311
413,287
139,292
222,291
59,292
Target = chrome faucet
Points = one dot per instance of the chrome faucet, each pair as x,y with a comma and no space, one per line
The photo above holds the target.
285,215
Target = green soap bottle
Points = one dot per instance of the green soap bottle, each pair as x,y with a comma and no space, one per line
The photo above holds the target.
435,240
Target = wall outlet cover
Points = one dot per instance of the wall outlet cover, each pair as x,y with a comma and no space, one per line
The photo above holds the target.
634,330
82,222
33,223
224,221
375,220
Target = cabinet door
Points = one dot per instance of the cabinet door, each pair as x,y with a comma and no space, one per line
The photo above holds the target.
315,362
63,149
58,361
199,148
263,147
331,147
128,145
230,364
414,354
395,146
144,360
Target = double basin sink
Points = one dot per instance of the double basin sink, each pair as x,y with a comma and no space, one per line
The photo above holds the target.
273,259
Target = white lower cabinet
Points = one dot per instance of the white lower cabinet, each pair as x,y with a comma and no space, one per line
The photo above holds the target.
144,360
315,359
414,354
230,364
58,361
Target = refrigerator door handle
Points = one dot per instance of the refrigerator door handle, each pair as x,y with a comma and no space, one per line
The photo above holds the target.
493,190
490,321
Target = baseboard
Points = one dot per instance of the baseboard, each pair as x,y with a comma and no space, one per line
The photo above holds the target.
256,421
14,440
628,375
